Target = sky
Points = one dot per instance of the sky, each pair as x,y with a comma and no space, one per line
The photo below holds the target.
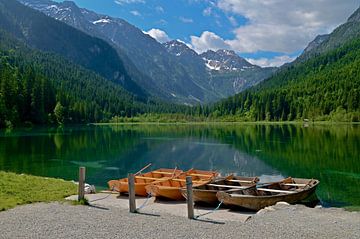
265,32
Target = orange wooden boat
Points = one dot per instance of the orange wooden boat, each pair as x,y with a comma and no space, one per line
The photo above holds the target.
170,188
141,180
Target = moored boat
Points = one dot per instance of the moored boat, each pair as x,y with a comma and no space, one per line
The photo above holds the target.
206,193
170,189
141,180
290,190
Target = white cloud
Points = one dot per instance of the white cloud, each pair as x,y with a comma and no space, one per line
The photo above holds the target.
271,62
135,13
208,41
186,20
158,35
207,11
123,2
159,9
284,25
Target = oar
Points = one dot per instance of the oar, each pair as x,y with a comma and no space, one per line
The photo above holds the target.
173,174
143,169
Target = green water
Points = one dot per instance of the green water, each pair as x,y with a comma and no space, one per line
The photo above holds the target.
329,153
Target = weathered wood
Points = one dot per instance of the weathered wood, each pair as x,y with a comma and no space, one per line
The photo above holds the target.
149,178
132,203
81,189
189,198
143,169
159,172
199,175
275,190
226,186
295,184
239,181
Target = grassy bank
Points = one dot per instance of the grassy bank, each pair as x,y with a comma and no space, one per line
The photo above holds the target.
18,189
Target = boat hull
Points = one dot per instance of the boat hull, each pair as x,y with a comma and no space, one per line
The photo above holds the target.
258,202
205,194
141,181
171,189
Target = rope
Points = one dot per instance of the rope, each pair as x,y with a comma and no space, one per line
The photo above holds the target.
144,204
212,211
112,189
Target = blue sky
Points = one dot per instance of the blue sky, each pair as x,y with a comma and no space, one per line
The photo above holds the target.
267,33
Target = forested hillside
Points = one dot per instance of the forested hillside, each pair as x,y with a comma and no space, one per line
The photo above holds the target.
321,88
47,34
38,88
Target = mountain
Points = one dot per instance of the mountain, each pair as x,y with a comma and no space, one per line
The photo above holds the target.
322,84
166,77
41,87
227,72
172,71
324,43
225,60
47,34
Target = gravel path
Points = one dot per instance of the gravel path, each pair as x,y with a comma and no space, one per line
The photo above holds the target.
55,220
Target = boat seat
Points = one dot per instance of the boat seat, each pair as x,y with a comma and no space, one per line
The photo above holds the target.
226,186
275,190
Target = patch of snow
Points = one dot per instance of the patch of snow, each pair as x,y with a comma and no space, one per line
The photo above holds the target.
173,94
104,20
178,54
216,68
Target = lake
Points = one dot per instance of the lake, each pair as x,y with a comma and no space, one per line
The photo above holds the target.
330,153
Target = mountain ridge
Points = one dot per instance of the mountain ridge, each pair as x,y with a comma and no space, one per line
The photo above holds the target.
173,79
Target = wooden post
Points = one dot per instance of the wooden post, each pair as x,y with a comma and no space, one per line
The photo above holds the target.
132,203
81,190
190,201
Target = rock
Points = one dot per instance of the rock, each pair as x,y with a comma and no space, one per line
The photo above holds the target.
282,203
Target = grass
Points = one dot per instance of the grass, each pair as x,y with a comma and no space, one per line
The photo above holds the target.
16,189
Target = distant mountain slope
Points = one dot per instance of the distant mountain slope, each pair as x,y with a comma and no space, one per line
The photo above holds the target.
41,87
325,84
180,78
328,42
227,72
165,75
47,34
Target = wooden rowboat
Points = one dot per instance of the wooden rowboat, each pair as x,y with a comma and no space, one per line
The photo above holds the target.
141,180
207,193
290,190
170,189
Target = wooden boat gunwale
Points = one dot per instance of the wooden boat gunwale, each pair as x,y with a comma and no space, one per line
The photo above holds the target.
260,201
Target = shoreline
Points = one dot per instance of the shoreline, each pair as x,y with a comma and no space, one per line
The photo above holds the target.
316,123
45,220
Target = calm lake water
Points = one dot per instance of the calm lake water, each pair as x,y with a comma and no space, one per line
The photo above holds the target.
328,153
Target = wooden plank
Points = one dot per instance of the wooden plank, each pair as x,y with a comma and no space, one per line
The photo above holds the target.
189,198
295,184
226,186
275,190
239,181
132,203
149,178
201,175
183,180
162,172
81,189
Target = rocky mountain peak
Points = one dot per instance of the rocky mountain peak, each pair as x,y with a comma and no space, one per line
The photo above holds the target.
178,48
355,17
225,60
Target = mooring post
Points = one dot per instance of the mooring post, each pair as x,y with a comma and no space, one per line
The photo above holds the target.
132,203
189,198
81,190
